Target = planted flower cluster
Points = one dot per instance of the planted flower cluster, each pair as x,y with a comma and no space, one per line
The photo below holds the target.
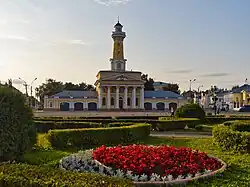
142,162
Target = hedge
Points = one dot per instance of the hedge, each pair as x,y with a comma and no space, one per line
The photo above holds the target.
239,125
229,138
45,126
81,138
220,120
22,175
120,124
175,123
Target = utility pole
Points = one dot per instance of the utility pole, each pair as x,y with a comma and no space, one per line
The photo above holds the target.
28,100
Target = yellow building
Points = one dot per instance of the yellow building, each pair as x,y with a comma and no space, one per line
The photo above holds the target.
116,89
241,96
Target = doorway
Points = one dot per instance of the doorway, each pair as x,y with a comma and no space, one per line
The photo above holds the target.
121,103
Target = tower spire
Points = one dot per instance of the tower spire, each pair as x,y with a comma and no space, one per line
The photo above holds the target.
118,63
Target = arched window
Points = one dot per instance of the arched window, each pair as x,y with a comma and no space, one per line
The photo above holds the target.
112,101
137,101
50,104
104,101
128,101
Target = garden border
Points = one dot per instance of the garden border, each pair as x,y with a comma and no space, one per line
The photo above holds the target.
184,181
176,181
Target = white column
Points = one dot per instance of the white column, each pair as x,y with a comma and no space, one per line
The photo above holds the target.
142,98
108,100
71,106
100,98
126,97
117,98
134,97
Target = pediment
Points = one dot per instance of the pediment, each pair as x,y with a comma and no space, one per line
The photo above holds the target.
120,77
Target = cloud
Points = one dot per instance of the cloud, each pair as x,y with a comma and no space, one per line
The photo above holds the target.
111,2
70,42
14,37
78,42
215,75
182,71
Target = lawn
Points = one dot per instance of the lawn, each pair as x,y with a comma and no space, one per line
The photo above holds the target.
237,174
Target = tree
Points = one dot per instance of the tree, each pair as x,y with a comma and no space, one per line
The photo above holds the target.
52,87
149,82
173,88
235,87
49,88
17,130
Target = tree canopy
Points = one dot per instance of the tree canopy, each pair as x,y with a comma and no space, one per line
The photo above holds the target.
149,82
52,87
173,88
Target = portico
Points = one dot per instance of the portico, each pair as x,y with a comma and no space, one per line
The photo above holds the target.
121,97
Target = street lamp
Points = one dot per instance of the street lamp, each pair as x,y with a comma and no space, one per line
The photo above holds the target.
26,90
215,99
190,85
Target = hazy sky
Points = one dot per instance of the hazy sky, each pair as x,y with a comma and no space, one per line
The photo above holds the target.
171,40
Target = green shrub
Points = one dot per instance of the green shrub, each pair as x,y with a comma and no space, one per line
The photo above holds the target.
229,139
119,124
22,175
81,138
242,126
17,131
173,124
190,111
45,126
222,119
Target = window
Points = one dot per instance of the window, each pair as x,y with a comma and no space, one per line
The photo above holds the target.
128,101
104,101
50,104
112,101
137,101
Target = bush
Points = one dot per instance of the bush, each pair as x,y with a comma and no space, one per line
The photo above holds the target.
222,119
17,131
229,139
172,124
82,138
190,111
20,175
45,126
239,125
121,124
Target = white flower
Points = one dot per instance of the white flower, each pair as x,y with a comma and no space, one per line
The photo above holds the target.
143,177
135,178
198,174
155,177
180,177
170,177
164,178
189,176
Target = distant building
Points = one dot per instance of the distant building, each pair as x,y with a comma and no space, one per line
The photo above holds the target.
241,96
116,89
159,85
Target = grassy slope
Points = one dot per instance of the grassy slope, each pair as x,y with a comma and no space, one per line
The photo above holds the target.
237,174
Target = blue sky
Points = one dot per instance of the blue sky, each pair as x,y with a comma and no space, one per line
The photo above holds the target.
171,40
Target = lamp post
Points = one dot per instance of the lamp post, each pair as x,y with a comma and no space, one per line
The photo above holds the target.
26,90
215,99
190,84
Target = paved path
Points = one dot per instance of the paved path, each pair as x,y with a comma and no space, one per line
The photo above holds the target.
182,134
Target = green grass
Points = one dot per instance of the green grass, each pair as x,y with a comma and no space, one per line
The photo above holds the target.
237,173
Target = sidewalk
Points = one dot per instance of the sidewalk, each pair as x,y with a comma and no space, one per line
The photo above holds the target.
182,134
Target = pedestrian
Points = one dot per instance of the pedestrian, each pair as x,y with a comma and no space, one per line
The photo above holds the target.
172,112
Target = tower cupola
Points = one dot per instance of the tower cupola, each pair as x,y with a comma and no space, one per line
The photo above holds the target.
118,63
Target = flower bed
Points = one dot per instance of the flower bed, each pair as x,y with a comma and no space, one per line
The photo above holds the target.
143,164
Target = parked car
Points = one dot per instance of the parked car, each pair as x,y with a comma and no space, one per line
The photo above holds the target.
245,108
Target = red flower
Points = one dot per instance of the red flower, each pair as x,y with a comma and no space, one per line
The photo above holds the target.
163,160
